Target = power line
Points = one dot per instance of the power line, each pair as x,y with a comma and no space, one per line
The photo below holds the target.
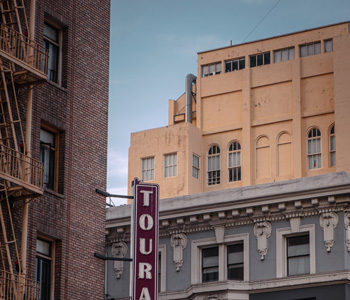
261,20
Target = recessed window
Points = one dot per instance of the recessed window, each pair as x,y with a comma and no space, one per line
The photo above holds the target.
210,264
170,165
195,166
162,268
298,255
235,259
148,168
332,146
235,64
43,267
212,69
328,45
214,165
260,59
314,148
234,162
52,44
283,54
310,49
48,157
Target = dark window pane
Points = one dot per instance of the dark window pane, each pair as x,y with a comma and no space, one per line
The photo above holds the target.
242,64
260,60
234,65
253,61
267,58
228,66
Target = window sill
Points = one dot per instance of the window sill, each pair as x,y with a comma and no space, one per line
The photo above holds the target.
56,85
52,192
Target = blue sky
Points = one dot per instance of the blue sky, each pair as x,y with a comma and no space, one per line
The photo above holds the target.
154,45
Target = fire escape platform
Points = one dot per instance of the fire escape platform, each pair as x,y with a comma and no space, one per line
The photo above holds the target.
21,188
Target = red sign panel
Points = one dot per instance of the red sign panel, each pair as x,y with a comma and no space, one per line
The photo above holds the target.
145,241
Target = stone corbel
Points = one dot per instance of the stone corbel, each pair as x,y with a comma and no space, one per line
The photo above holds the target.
262,232
212,297
119,250
178,242
328,221
347,229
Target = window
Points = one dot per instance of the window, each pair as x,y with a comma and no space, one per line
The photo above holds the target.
332,146
170,165
283,54
148,168
310,49
260,59
298,255
212,69
43,268
227,259
214,165
328,45
295,250
210,264
314,148
235,258
48,157
162,268
284,154
234,162
263,158
235,64
195,166
52,44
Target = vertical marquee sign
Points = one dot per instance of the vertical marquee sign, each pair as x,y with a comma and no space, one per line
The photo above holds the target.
145,241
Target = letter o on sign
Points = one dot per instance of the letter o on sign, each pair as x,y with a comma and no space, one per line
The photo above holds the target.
142,222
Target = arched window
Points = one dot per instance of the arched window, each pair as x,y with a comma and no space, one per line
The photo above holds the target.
332,146
263,161
234,162
214,165
284,152
314,149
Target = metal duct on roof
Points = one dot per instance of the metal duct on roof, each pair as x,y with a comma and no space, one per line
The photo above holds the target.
190,79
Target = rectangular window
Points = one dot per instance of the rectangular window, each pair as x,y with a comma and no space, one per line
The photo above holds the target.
214,169
210,264
212,69
235,259
283,55
235,64
298,255
52,43
260,59
148,168
195,166
48,157
332,146
43,266
310,49
170,165
328,45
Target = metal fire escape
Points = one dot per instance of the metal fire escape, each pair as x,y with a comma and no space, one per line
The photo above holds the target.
22,66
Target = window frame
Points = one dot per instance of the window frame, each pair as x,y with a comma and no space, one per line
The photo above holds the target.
196,256
307,45
325,45
171,167
237,152
310,155
216,69
263,55
332,151
58,44
55,150
281,248
214,173
231,61
143,170
288,52
195,168
162,269
50,258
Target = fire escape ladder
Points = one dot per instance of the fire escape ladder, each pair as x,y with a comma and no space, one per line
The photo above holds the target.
12,12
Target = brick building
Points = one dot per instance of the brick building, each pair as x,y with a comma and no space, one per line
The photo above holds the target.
253,170
54,108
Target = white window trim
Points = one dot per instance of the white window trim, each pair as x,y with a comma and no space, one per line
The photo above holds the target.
196,256
169,166
195,167
162,250
154,166
281,248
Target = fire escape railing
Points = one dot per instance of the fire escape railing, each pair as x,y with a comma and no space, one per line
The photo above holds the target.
20,166
13,287
18,45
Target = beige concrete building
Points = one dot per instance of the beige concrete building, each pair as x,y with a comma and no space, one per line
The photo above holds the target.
259,112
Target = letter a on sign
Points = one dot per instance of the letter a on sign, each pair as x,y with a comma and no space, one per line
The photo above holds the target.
144,281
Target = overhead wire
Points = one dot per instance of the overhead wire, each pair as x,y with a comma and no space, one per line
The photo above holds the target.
261,20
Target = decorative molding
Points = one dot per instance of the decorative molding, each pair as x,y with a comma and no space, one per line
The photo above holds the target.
212,297
328,221
262,232
178,241
119,250
347,230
